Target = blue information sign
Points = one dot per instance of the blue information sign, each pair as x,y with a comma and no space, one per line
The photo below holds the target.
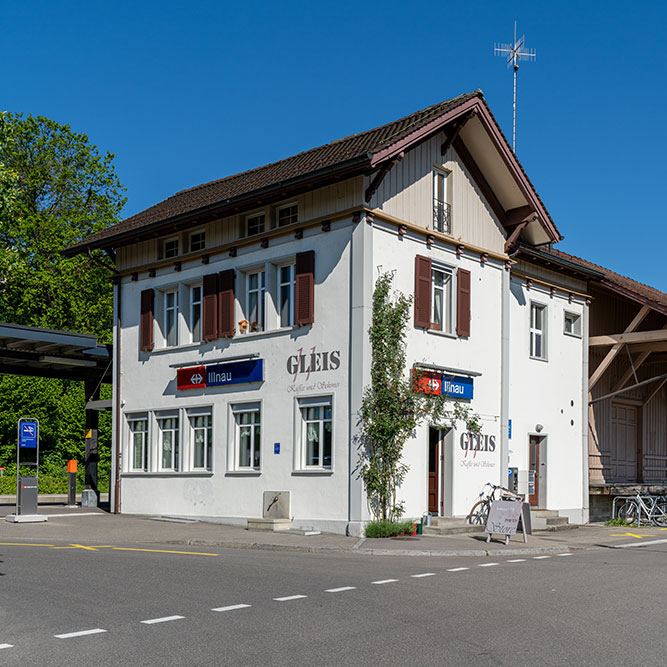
276,448
509,429
455,386
235,372
28,432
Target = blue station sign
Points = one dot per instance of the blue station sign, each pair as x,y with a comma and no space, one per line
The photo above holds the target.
450,386
220,375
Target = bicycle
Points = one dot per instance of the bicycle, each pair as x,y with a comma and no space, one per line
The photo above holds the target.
479,512
649,509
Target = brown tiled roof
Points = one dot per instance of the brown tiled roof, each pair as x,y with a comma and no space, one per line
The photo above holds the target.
330,156
644,292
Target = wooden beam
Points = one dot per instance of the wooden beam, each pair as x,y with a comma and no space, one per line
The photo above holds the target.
516,216
454,132
514,236
611,355
655,391
384,170
632,386
629,338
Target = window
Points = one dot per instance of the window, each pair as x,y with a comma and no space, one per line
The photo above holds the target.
441,299
197,241
255,300
168,433
248,435
195,313
170,248
441,209
316,432
287,215
138,443
572,324
286,286
538,331
171,318
255,224
201,426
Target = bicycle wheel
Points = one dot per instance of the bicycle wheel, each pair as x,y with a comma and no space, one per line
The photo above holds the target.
660,514
479,513
628,511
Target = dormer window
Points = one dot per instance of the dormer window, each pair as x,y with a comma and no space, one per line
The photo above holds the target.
197,241
287,215
442,221
255,223
170,248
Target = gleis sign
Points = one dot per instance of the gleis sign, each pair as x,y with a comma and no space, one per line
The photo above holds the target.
236,372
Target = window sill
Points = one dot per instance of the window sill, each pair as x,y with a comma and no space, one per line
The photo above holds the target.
168,473
270,332
571,335
176,348
318,472
243,473
539,358
444,334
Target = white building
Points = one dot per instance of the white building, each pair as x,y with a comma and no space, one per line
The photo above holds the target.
242,312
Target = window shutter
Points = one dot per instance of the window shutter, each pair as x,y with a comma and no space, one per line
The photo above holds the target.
463,302
146,320
210,307
422,292
226,327
305,288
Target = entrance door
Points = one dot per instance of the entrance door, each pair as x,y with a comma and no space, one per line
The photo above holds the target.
534,471
433,469
625,442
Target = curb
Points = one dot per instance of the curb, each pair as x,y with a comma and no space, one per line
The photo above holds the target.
520,551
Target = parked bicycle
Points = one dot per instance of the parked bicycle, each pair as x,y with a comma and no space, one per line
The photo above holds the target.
650,510
479,512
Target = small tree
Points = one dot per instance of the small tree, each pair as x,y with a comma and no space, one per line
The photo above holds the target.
391,409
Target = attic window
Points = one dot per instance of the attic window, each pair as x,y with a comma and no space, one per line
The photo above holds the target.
255,224
170,248
442,221
197,241
287,215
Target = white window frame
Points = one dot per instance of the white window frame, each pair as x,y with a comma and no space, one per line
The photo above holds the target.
174,308
171,239
131,420
253,216
576,324
201,241
176,450
260,293
284,207
193,304
302,404
536,333
194,414
237,411
286,287
448,290
442,209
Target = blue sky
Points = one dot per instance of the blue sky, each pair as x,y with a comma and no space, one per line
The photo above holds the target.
187,92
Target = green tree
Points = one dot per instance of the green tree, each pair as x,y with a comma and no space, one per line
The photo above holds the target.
55,189
391,409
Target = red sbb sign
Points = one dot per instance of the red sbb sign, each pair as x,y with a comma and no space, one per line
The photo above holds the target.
191,378
428,383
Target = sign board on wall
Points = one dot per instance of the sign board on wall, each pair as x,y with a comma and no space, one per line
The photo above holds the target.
234,372
450,386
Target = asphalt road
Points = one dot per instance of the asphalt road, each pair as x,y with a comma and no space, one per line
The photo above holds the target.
602,607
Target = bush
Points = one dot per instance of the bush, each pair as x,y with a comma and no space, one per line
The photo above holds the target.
386,528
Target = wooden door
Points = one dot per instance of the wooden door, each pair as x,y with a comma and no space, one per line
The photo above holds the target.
534,468
624,442
433,477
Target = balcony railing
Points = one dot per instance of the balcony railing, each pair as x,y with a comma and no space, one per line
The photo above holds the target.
442,216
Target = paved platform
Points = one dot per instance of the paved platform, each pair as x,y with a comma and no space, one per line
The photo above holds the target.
90,526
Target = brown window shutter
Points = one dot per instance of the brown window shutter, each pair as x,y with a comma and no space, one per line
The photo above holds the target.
422,292
146,321
226,327
305,288
463,302
210,307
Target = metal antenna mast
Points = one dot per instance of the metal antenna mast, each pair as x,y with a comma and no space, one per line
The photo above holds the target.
514,53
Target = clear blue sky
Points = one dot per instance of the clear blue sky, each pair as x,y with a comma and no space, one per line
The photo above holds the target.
187,92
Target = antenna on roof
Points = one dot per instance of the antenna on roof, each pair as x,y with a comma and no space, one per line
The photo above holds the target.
514,53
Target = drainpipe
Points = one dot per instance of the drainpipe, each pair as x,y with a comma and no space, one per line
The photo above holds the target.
116,386
584,416
504,376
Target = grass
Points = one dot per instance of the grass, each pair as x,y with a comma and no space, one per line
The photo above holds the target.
389,528
618,521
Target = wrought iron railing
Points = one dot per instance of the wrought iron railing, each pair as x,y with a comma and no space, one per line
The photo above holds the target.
442,216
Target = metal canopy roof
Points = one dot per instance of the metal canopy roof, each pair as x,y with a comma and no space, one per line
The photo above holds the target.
53,354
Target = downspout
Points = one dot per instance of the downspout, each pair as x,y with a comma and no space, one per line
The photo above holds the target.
505,375
116,384
584,416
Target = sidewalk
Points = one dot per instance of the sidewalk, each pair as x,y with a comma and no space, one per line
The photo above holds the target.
90,526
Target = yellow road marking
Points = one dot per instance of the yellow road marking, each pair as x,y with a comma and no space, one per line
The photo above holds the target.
23,544
81,546
639,537
164,551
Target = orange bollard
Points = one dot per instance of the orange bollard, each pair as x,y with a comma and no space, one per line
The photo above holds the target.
71,483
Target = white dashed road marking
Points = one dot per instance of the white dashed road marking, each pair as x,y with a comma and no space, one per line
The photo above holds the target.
290,597
567,554
487,564
164,619
458,569
341,589
425,574
67,635
517,560
540,557
384,581
232,607
6,646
